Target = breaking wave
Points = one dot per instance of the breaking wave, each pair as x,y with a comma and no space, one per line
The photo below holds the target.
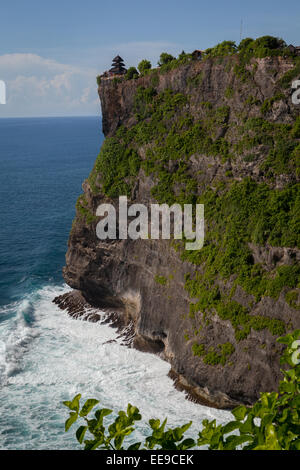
47,357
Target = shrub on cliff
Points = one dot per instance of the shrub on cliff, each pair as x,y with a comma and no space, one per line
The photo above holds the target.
264,46
272,423
131,73
225,48
165,58
144,66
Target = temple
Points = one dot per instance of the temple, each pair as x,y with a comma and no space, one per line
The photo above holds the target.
117,69
118,66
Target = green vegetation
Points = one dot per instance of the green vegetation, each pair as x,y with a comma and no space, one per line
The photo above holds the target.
195,81
292,298
296,129
165,58
154,78
117,80
131,73
162,280
289,76
225,48
98,79
229,92
168,62
84,211
272,423
246,212
281,147
213,356
268,103
144,67
118,165
265,46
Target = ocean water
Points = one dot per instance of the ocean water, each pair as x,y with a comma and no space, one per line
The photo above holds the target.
46,356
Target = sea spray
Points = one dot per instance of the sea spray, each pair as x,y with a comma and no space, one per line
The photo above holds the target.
65,356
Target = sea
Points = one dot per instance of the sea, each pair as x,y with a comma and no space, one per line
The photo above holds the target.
46,356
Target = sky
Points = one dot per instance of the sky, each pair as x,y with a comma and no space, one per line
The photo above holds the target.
52,51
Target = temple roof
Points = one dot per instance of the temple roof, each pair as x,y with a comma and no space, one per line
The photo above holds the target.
118,69
118,66
118,59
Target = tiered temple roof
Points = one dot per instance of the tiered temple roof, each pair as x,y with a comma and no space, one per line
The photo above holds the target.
118,66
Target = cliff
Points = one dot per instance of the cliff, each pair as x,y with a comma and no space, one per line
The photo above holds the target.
224,134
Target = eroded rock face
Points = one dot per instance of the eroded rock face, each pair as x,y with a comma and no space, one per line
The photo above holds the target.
121,274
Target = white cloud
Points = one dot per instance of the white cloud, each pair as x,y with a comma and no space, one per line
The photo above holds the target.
41,87
38,86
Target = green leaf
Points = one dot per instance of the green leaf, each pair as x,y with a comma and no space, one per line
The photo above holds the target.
268,419
240,412
88,406
74,404
232,442
67,403
187,444
285,339
154,423
135,446
92,445
100,414
287,387
118,442
248,426
177,434
80,433
132,410
231,426
73,417
186,426
163,425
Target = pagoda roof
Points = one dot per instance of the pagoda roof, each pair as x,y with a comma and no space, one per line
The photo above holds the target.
118,70
118,64
118,59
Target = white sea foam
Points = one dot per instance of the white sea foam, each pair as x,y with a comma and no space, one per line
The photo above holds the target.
47,357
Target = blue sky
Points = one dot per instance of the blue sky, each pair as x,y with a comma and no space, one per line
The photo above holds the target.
50,52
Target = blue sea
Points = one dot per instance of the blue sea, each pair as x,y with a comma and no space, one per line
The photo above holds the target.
46,356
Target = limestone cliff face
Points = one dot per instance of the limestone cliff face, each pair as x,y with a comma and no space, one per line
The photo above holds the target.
125,275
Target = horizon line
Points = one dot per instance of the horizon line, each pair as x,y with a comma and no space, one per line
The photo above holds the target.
52,117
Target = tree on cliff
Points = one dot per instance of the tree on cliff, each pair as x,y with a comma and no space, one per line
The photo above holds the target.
131,73
165,58
144,66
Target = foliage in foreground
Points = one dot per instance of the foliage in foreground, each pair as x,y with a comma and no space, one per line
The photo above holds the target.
272,423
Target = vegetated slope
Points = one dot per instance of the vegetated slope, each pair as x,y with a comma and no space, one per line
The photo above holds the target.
223,132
